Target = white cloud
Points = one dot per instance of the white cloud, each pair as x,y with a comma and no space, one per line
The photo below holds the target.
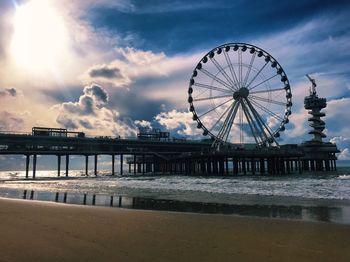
179,122
91,113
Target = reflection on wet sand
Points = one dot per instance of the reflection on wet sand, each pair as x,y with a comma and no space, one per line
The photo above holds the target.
307,213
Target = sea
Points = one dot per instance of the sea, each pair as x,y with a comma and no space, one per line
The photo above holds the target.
314,197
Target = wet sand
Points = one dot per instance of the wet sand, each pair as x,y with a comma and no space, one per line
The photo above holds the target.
41,231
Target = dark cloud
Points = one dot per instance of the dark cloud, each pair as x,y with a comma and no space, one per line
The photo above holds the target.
86,124
97,92
184,27
66,121
8,92
91,112
105,72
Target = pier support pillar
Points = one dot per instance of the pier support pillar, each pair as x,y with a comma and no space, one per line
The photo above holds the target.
67,165
86,165
244,166
262,166
34,165
113,164
95,168
143,164
235,166
121,164
253,165
134,164
27,165
58,165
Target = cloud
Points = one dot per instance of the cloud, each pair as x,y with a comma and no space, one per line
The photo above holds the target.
105,71
130,64
180,123
343,144
8,92
97,92
91,112
10,121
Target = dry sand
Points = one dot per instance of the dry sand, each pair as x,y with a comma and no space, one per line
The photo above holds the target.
40,231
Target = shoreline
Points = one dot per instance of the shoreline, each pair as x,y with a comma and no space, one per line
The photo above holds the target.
60,232
255,206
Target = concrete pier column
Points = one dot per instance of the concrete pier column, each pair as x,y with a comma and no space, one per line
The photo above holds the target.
27,165
209,169
299,166
34,165
58,165
95,167
226,166
283,166
129,167
215,166
327,165
154,164
262,166
86,165
244,166
332,166
134,164
67,165
202,167
335,165
235,166
312,162
113,164
143,164
253,165
139,168
121,164
221,166
288,162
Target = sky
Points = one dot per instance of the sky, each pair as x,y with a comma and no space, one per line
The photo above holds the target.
111,67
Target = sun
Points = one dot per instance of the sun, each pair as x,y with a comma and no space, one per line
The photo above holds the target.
40,36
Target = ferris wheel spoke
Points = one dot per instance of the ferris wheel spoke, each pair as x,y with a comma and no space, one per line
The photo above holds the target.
240,119
267,100
249,69
252,125
240,66
262,122
263,81
267,90
218,121
222,71
210,98
277,117
226,127
217,79
222,129
211,110
201,93
257,74
232,119
212,87
232,70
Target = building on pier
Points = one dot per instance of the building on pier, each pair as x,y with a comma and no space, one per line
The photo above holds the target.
318,155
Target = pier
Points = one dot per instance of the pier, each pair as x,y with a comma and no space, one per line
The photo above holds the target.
170,156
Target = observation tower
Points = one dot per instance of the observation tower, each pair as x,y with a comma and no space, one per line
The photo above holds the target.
319,155
315,104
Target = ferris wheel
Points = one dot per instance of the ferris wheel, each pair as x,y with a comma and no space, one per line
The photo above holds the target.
238,93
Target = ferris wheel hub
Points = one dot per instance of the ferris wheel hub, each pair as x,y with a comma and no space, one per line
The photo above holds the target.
243,92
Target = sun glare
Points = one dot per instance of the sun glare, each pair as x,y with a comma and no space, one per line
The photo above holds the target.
39,37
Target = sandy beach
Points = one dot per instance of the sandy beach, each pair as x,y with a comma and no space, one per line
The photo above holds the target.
41,231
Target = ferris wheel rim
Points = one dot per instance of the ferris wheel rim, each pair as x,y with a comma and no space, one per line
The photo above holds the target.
253,49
